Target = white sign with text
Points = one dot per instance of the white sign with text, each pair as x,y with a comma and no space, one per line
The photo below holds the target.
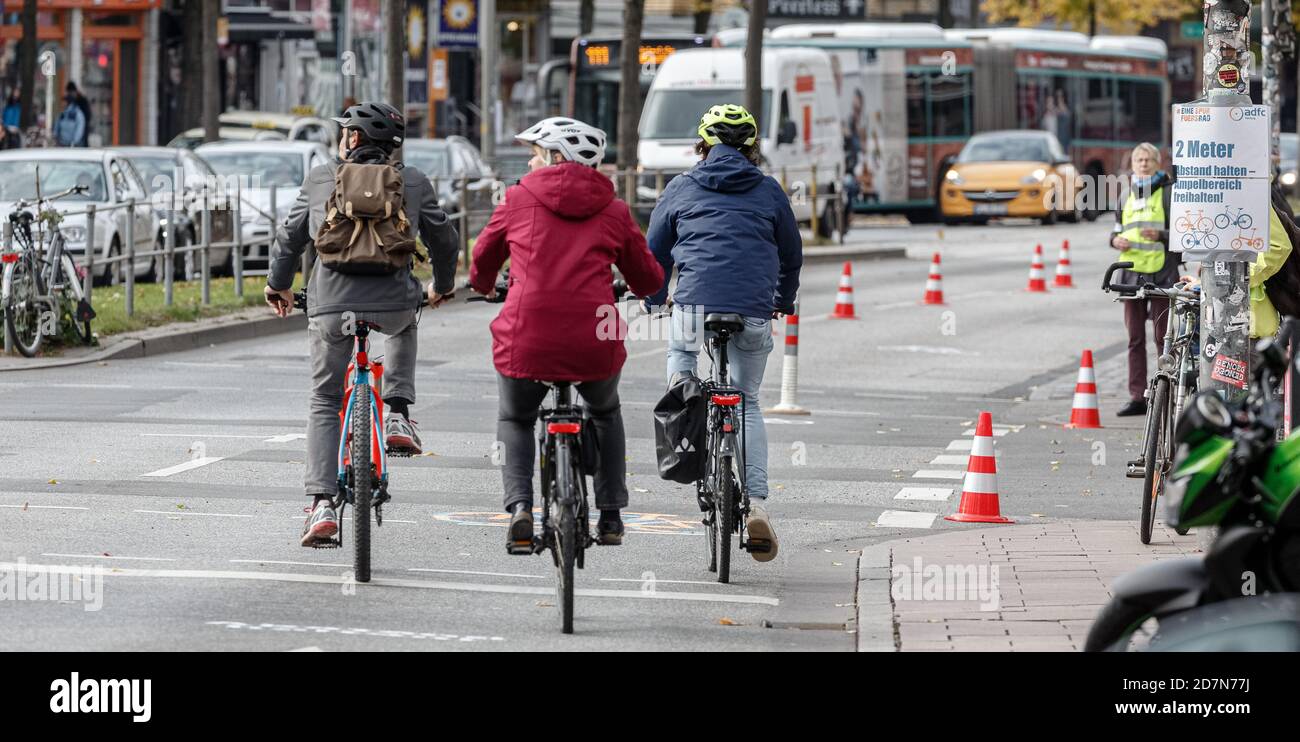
1220,201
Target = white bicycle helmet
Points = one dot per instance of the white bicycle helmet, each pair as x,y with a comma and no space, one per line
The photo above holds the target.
578,142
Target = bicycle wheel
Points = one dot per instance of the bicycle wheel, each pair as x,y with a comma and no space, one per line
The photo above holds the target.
711,539
362,429
565,534
724,504
72,298
1222,221
1211,240
1154,444
1245,221
22,310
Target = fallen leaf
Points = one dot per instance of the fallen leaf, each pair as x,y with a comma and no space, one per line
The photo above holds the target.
838,564
640,489
727,622
180,506
545,604
54,481
24,507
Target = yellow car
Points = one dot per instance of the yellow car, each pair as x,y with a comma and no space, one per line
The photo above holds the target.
1010,174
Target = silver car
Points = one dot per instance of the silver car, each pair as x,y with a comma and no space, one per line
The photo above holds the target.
263,168
168,170
111,179
446,162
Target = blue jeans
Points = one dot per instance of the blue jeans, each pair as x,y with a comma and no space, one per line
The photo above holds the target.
746,360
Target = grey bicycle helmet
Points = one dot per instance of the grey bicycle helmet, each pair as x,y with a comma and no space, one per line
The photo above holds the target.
577,141
379,122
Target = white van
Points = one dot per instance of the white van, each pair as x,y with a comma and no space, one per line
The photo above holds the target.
799,124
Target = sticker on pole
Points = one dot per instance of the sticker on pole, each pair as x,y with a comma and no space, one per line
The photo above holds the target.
1229,371
1221,199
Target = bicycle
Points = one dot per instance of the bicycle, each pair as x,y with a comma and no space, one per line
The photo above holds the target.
362,459
1242,220
1186,224
721,492
1177,372
41,289
1194,240
1253,242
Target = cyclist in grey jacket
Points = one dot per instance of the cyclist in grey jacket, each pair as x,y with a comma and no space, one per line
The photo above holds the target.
371,133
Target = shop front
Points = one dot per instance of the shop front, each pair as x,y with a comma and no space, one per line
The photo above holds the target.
101,46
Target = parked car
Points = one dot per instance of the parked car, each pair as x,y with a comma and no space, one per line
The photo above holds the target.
262,125
167,170
263,167
446,162
1010,174
111,179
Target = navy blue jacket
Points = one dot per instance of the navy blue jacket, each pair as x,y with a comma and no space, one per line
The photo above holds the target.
731,233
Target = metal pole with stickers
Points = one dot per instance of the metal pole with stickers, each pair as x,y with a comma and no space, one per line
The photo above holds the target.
1219,207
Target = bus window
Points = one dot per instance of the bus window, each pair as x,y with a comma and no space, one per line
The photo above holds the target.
1140,114
916,118
950,104
1048,103
1099,111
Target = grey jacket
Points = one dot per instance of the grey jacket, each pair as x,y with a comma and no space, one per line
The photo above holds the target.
331,292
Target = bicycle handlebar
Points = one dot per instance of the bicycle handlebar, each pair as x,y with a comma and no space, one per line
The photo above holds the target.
24,204
1105,282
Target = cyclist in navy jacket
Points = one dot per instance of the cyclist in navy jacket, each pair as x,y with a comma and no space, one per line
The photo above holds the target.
733,238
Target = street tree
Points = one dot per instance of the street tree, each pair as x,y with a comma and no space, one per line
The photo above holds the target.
629,94
27,64
586,17
1090,16
211,80
754,56
394,46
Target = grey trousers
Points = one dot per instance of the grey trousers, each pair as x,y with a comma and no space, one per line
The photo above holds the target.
331,351
518,404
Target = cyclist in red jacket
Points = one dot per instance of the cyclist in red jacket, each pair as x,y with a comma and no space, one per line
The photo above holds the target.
563,230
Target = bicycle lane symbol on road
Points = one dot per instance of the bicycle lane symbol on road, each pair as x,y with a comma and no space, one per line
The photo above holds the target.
662,523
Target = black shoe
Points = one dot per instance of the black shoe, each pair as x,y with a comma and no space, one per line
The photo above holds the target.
1133,408
609,529
519,536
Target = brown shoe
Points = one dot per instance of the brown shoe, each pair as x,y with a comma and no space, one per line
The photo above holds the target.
762,538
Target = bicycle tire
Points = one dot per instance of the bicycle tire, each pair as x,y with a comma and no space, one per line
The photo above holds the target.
1245,221
1222,221
72,297
1153,482
362,428
23,325
724,504
565,534
711,536
1211,240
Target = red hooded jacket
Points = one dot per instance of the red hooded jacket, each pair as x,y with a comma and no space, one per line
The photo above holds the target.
562,229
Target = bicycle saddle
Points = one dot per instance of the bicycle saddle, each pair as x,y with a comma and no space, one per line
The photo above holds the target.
728,321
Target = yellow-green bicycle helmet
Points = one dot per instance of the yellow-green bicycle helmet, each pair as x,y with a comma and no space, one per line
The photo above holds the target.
728,124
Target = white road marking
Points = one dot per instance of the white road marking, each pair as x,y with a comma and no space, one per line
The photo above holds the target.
256,576
473,572
286,438
386,520
938,350
44,507
886,395
963,444
656,581
846,413
905,519
352,631
203,364
299,564
184,466
949,460
197,435
939,474
312,648
191,512
106,556
785,421
937,494
997,432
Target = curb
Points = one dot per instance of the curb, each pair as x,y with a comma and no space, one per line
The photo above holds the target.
874,605
837,254
174,339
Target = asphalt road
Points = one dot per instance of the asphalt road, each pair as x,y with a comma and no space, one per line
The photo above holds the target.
180,475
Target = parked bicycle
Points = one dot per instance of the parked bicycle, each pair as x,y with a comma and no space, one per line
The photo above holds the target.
1174,382
42,290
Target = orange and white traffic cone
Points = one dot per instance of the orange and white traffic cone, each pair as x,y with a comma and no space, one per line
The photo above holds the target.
1037,283
844,297
1064,279
979,492
1084,413
934,284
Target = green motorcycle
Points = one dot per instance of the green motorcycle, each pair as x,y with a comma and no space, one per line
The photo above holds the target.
1231,472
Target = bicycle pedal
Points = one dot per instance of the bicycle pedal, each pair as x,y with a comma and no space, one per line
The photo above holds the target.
757,546
1135,470
520,548
327,544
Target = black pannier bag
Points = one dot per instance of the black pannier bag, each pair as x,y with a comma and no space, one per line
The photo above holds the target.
680,423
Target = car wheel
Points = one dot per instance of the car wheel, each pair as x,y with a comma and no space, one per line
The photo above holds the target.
112,273
1049,220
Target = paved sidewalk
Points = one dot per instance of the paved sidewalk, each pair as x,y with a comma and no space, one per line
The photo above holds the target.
1051,580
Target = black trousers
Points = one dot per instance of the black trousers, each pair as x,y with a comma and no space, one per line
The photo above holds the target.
519,402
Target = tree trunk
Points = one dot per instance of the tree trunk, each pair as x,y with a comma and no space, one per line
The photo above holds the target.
27,64
211,87
754,61
394,46
629,93
586,17
191,83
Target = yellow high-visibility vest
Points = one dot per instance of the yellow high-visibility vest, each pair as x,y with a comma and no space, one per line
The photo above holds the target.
1140,214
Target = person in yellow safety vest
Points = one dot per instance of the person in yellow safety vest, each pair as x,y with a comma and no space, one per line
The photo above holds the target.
1264,319
1141,235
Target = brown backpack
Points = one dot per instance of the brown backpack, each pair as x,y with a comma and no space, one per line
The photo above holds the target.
365,230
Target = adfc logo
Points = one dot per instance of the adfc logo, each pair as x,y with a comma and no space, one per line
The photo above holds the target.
459,14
